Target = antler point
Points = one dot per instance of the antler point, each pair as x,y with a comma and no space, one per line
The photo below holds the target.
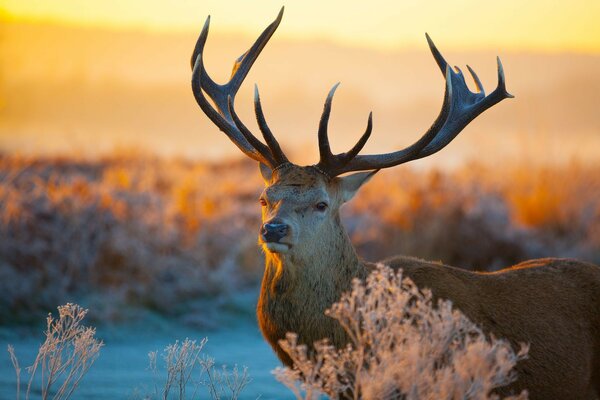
332,91
478,83
279,16
501,78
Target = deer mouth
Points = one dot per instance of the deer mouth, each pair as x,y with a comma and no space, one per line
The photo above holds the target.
276,247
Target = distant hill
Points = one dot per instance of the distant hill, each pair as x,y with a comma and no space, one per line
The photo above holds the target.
66,89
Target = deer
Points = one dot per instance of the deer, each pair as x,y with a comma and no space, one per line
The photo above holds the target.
552,304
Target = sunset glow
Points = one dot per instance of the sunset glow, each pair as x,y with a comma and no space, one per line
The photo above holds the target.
118,73
464,24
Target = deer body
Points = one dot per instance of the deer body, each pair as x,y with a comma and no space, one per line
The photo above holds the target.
564,358
551,304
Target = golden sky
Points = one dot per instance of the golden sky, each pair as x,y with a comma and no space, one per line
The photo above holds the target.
545,25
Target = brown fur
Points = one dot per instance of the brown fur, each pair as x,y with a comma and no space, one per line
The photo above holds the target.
552,304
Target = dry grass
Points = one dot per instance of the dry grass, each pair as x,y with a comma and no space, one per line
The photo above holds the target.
70,349
180,360
134,231
63,359
402,346
479,217
187,368
125,231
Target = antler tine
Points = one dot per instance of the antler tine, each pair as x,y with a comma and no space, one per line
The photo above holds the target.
198,50
350,161
324,147
459,108
223,95
361,142
226,126
269,159
244,62
278,154
478,84
471,108
439,59
501,81
329,163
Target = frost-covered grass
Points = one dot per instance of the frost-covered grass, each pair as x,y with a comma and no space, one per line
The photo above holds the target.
65,356
402,346
70,349
127,233
134,232
185,368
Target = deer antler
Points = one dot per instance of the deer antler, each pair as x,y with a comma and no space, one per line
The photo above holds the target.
459,108
224,116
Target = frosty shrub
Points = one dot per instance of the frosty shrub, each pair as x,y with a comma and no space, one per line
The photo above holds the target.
185,365
64,358
401,347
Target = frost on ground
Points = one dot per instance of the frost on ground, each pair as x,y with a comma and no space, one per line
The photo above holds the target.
70,349
402,347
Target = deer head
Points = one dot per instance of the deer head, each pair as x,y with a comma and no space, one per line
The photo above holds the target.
301,203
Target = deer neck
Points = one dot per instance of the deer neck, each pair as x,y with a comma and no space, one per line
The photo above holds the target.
296,291
322,272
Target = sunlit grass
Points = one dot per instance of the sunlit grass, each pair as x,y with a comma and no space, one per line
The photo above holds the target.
133,230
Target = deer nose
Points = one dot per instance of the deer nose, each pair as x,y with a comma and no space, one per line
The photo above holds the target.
273,231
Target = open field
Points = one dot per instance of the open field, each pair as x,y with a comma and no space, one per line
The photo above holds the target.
135,232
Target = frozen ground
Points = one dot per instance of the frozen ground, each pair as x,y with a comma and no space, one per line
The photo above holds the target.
121,370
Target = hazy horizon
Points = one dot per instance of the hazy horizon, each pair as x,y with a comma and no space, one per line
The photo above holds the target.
84,90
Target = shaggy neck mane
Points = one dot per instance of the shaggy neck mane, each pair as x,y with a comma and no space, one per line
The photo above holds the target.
297,288
334,262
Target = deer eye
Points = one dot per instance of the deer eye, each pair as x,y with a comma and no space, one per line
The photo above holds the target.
262,202
322,206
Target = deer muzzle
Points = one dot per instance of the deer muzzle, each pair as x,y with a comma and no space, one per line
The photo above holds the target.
273,232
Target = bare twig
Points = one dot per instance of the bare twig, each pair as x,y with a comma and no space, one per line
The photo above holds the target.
66,355
15,363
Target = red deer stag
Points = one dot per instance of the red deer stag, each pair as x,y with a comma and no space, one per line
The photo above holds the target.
552,304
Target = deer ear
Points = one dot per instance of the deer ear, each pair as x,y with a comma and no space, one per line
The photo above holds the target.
266,172
351,183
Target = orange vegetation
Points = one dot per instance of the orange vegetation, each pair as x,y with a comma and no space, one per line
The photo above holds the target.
158,233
